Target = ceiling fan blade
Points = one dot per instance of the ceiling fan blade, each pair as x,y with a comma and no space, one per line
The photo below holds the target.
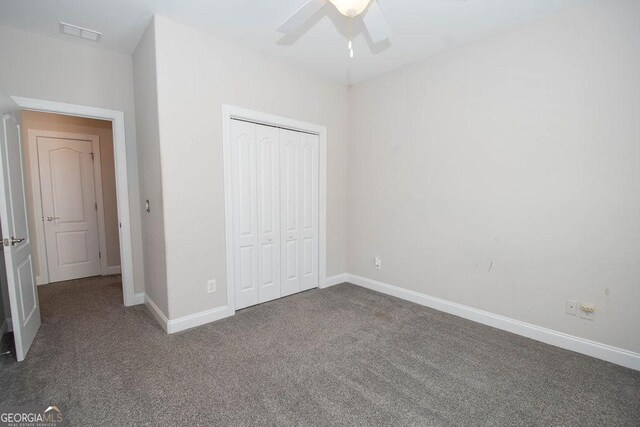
300,16
375,23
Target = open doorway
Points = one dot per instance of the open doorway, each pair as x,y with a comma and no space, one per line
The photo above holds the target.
119,154
62,171
71,196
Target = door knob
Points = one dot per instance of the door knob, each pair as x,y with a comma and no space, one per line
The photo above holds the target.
12,241
51,218
269,239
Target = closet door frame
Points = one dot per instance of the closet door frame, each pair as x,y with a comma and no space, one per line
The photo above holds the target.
230,112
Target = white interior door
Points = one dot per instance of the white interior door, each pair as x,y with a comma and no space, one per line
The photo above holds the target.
290,210
245,208
275,212
309,211
268,211
23,295
69,208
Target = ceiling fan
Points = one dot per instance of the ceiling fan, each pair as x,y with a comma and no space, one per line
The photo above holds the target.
373,18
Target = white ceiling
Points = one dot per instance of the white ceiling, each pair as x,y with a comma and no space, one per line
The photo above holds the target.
420,27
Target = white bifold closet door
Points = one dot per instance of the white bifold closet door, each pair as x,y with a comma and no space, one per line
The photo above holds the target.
299,211
275,205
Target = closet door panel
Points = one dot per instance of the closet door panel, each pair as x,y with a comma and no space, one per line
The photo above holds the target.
245,221
309,210
290,210
268,211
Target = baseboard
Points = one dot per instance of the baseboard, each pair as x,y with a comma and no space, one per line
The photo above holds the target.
113,269
208,316
157,313
198,319
598,350
110,271
335,280
138,298
186,322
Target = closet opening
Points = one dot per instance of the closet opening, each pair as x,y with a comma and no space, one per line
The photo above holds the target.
275,201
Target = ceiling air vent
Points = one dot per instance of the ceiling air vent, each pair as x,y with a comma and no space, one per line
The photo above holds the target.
83,33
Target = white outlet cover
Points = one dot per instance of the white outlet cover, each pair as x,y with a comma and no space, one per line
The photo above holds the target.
571,307
211,286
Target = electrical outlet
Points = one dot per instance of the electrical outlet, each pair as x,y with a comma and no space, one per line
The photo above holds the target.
211,286
587,311
377,262
571,307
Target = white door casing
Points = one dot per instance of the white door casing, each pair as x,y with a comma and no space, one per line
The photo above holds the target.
69,207
23,294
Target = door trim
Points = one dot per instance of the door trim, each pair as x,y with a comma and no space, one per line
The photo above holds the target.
33,134
122,181
230,112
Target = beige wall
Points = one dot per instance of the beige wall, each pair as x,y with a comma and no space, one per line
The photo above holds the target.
35,66
505,174
146,93
103,129
197,73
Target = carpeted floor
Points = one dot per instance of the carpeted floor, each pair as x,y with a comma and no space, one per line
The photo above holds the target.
344,355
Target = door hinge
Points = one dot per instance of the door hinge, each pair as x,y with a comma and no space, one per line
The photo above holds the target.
96,204
91,154
99,254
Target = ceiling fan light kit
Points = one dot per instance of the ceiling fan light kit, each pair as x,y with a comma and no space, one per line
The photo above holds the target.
350,8
373,19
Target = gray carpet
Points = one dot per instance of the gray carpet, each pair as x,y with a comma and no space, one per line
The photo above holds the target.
342,356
